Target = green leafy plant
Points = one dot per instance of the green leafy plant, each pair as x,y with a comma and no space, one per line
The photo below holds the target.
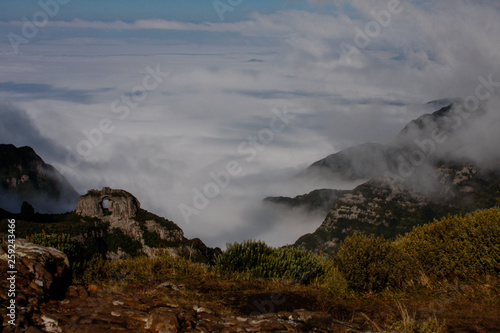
73,249
371,263
260,260
61,242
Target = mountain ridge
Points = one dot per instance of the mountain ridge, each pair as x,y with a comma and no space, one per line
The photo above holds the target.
386,207
317,200
399,193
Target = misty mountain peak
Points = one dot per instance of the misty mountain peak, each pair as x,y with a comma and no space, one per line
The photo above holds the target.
24,176
425,123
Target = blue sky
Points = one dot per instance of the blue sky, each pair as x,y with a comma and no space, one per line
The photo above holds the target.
130,10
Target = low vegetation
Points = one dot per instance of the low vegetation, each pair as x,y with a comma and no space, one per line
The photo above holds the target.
79,254
464,247
260,260
456,256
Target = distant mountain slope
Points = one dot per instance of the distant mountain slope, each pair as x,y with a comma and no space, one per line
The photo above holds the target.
370,160
411,181
383,206
318,200
358,162
24,176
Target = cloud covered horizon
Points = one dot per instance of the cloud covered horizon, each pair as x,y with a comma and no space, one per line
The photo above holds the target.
176,102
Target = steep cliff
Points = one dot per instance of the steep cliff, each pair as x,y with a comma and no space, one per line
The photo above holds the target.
24,176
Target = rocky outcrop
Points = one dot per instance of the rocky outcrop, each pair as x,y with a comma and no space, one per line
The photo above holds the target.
121,210
41,274
119,204
134,229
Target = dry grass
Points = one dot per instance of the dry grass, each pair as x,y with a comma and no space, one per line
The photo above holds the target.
409,324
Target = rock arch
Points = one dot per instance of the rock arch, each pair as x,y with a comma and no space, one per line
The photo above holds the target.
121,204
105,203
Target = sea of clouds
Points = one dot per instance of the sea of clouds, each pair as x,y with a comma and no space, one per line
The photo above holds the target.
175,103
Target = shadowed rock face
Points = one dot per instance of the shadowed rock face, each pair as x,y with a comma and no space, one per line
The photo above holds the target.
24,176
116,203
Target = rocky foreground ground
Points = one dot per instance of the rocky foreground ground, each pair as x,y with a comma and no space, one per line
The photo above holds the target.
45,302
99,311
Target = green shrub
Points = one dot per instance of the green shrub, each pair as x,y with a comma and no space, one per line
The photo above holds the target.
456,246
65,243
116,239
61,242
371,263
95,270
332,279
261,260
243,257
295,264
152,239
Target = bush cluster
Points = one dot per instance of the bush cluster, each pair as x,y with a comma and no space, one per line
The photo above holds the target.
261,260
117,239
464,247
371,263
456,246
